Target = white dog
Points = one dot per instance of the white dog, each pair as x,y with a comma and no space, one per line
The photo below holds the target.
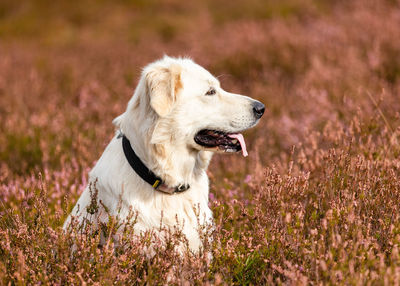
156,163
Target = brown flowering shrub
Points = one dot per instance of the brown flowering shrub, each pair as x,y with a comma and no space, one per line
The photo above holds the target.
316,202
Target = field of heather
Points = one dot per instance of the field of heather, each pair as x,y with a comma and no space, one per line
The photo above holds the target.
316,202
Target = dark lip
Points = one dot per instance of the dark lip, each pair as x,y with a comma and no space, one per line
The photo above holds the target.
217,139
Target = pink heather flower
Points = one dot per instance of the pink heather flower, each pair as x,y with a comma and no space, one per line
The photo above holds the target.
211,197
247,179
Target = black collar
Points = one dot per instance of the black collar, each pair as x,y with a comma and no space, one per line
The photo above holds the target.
145,173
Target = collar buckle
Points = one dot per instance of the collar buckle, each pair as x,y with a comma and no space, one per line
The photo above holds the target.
181,188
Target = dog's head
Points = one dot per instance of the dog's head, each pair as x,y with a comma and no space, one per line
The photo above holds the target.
179,102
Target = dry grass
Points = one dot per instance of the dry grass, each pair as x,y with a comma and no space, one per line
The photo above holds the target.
316,202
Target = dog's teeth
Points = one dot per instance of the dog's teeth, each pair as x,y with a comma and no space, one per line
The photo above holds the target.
234,141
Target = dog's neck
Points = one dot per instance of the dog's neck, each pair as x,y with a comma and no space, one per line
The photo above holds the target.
167,157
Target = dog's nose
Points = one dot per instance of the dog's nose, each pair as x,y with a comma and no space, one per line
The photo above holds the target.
258,109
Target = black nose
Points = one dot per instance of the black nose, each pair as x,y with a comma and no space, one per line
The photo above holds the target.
258,109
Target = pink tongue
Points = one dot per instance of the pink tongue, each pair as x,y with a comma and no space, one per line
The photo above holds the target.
241,141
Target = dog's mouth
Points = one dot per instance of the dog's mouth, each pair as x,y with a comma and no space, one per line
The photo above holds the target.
221,141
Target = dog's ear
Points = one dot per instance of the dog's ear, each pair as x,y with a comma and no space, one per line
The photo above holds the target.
163,85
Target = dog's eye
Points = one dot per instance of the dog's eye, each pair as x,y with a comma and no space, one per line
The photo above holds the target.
211,91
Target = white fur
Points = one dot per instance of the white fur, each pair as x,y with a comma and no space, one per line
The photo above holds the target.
168,108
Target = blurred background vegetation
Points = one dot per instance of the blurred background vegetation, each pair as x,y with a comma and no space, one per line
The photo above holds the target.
69,22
